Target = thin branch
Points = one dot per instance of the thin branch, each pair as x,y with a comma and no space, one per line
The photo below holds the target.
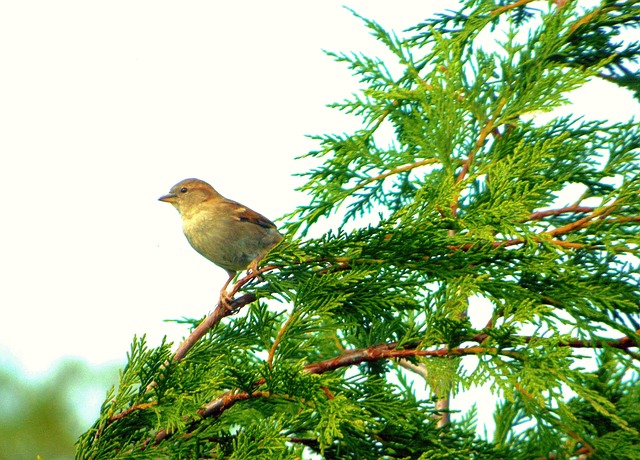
581,451
393,171
581,223
419,369
221,311
622,343
556,212
123,414
327,393
444,399
226,401
250,276
584,20
482,137
624,220
443,407
133,408
568,228
511,6
567,244
276,342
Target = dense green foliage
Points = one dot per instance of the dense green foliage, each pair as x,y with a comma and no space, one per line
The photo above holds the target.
451,198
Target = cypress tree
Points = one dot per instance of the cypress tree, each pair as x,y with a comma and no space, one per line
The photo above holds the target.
452,198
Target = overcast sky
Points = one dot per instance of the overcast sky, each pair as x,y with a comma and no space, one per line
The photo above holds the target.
105,105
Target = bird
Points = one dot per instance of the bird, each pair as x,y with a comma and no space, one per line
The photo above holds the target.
230,235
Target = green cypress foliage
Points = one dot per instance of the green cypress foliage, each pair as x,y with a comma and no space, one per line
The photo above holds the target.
451,199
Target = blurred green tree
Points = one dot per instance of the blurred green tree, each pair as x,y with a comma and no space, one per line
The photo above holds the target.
42,416
451,198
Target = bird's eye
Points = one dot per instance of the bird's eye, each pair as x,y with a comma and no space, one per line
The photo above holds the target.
183,190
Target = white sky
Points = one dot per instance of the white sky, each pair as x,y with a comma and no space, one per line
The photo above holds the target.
105,105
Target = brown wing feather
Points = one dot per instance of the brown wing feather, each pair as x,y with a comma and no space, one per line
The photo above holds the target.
244,214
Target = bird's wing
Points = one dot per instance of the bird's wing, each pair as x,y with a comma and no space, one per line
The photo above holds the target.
244,214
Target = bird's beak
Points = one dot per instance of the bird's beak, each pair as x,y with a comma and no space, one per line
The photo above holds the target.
169,198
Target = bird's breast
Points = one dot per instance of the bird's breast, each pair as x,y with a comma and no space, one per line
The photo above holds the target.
229,243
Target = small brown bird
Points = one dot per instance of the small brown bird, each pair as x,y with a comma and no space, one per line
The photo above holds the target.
227,233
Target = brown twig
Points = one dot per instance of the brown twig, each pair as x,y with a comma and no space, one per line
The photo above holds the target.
581,451
511,6
556,212
584,20
276,342
248,277
123,414
221,311
443,403
622,343
580,223
567,244
565,229
327,392
393,171
226,401
133,408
482,137
623,220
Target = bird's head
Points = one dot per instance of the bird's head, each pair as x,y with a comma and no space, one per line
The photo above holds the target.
189,194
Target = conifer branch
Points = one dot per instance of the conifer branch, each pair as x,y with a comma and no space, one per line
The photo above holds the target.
565,229
444,400
221,311
250,276
556,212
419,369
482,137
394,171
567,244
511,6
624,220
589,17
350,358
386,351
623,343
580,453
123,414
276,342
581,223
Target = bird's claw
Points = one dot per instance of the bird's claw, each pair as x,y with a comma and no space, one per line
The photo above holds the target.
225,300
252,270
